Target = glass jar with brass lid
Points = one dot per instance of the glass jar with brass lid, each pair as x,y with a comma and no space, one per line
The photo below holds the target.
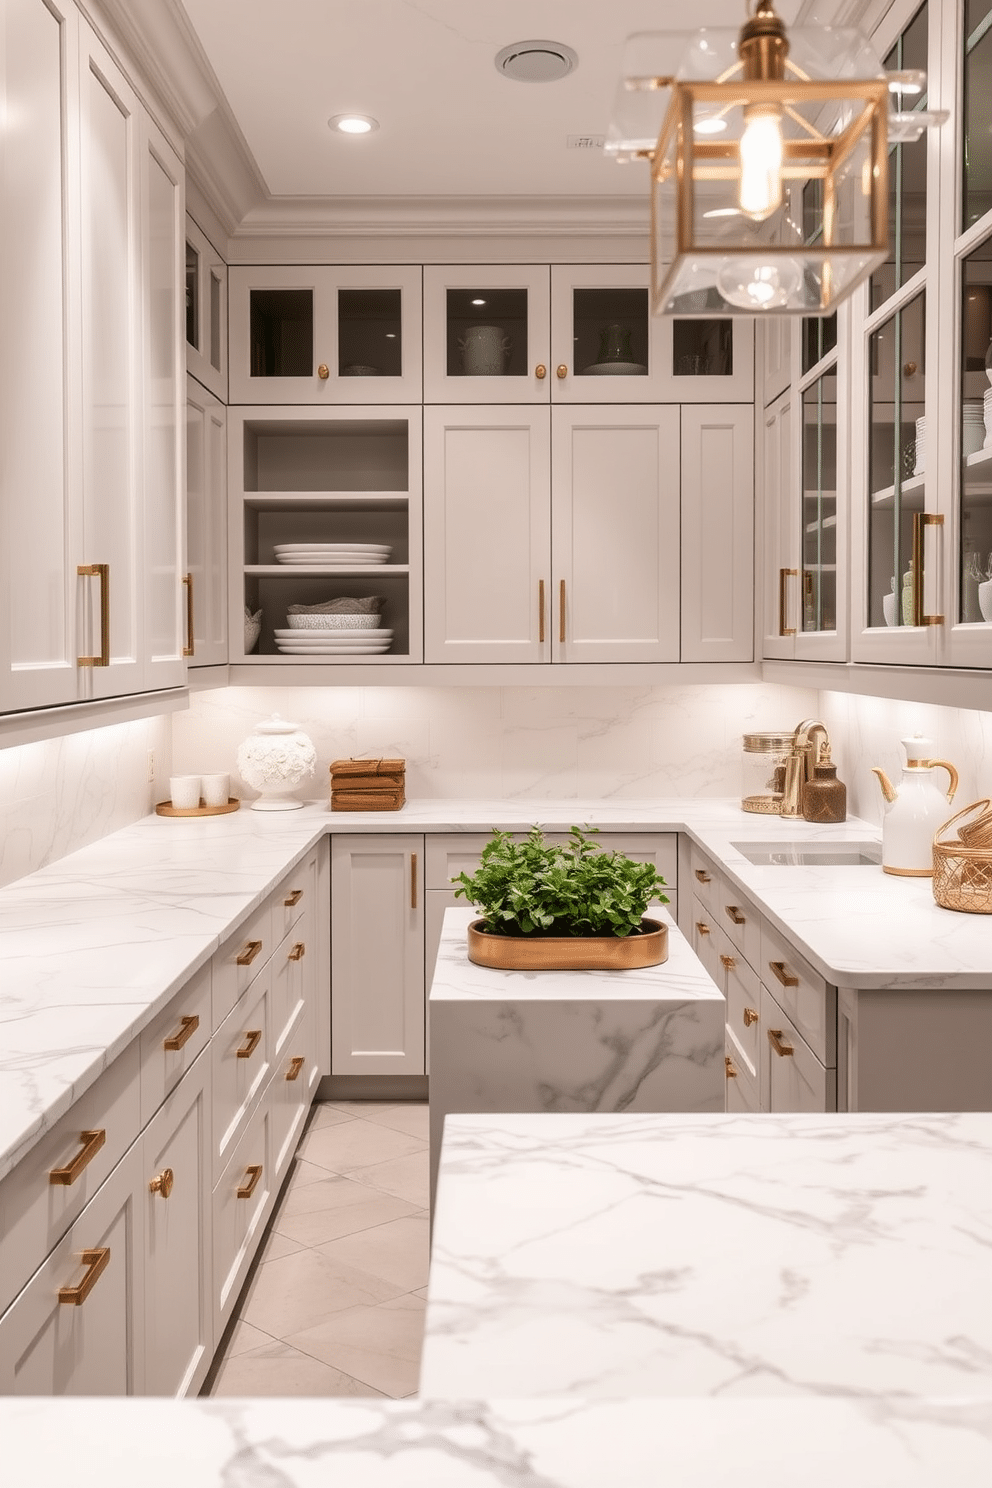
763,771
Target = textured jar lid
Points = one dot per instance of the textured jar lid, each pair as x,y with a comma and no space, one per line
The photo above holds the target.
767,743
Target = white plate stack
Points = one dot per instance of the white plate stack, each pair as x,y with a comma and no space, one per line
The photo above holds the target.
987,413
333,642
972,428
921,432
332,555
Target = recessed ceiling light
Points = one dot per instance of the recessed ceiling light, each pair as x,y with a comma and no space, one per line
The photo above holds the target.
536,61
478,302
353,123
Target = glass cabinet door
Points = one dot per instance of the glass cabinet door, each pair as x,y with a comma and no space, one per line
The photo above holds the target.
326,334
818,571
486,334
206,312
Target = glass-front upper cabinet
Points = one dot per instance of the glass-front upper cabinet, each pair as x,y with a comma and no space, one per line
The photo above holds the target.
325,335
487,333
206,312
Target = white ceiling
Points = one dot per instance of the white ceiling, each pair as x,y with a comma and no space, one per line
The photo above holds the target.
450,124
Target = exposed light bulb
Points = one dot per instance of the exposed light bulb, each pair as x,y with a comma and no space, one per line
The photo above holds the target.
758,287
761,163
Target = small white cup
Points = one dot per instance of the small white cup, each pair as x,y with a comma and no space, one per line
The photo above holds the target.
216,790
184,791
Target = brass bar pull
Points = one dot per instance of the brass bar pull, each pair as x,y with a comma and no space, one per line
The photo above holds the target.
252,1038
99,571
540,611
728,962
187,1027
298,952
784,975
702,875
162,1183
702,927
293,899
190,645
295,1065
775,1039
735,914
92,1142
728,1065
750,1016
249,953
561,611
413,880
784,575
97,1260
922,520
254,1170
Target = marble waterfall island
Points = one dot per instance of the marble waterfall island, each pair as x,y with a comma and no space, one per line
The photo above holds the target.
644,1040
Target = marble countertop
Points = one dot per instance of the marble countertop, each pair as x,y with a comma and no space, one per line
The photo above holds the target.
608,1256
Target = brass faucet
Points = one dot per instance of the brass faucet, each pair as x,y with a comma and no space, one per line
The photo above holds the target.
799,764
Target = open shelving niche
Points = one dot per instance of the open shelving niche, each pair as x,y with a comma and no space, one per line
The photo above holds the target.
303,475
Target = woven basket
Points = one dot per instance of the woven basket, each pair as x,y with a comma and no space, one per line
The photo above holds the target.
962,875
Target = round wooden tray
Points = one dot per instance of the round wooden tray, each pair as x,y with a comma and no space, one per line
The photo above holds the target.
166,808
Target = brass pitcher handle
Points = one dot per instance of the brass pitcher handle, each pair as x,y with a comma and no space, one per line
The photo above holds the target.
946,765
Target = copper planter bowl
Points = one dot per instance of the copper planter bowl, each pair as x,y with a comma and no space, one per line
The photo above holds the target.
569,952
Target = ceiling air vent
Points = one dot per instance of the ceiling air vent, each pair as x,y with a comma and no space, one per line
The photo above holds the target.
536,61
584,141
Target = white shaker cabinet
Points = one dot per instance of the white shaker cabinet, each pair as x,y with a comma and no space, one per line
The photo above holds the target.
717,549
206,526
377,955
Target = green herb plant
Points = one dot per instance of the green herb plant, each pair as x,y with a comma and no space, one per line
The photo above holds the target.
535,887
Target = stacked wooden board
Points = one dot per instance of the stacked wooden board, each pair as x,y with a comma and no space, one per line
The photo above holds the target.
368,785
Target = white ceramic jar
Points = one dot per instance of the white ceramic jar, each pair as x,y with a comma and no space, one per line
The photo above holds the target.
273,760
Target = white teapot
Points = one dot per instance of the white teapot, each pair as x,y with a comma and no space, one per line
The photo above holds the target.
915,811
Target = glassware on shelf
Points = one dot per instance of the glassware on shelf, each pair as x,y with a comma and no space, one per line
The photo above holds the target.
610,331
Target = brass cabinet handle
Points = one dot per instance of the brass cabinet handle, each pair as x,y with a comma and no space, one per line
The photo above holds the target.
728,1065
735,914
728,962
249,953
784,975
187,1027
922,520
92,1142
298,952
295,1065
775,1039
99,571
561,371
750,1016
540,371
190,645
702,875
247,1189
413,880
323,372
252,1037
702,927
162,1183
561,611
784,575
293,899
540,611
97,1260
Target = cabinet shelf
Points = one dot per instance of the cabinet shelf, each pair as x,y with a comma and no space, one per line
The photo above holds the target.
913,494
329,571
365,501
822,525
820,496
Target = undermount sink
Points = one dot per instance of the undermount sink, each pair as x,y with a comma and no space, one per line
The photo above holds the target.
811,854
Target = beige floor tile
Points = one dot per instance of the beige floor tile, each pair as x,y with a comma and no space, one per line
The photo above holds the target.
304,1289
333,1191
421,1292
245,1337
358,1210
406,1116
278,1245
325,1114
379,1345
397,1251
304,1173
357,1144
277,1369
404,1177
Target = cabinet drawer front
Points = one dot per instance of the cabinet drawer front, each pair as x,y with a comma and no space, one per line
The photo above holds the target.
802,992
709,942
792,1078
295,896
741,922
35,1212
742,1087
448,855
238,1214
705,880
743,994
294,1081
240,1066
51,1347
292,970
239,961
184,1023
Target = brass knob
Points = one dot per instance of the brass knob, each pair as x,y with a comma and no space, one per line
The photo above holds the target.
297,953
540,371
323,372
162,1184
702,927
750,1016
910,369
561,371
728,962
728,1065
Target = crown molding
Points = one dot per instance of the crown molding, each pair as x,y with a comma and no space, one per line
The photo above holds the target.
441,216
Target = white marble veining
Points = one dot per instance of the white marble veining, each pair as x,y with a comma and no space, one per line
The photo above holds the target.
610,1256
510,1443
640,1040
